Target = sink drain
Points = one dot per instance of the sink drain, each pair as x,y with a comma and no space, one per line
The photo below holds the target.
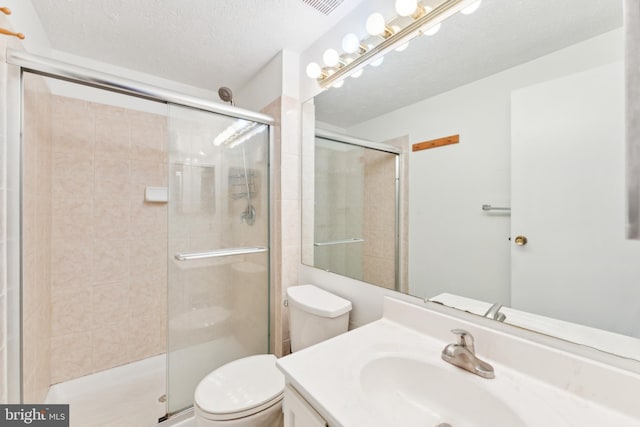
444,425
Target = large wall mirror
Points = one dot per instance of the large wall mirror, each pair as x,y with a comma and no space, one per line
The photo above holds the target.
527,209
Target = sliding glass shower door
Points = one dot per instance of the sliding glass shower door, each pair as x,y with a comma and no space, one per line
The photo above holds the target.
218,271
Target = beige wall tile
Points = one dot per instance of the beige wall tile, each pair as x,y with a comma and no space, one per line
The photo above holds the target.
145,335
72,218
112,178
110,261
149,256
112,133
109,345
71,262
148,220
110,304
111,218
147,173
146,293
148,141
70,311
71,357
73,126
105,238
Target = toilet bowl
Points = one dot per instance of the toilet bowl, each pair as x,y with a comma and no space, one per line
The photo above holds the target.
244,393
248,392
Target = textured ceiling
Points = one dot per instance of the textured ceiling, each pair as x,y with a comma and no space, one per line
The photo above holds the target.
203,43
500,35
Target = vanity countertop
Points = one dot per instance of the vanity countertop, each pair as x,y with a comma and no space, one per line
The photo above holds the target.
336,376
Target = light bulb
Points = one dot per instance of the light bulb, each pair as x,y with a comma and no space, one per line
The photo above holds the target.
406,7
378,62
431,31
402,47
331,58
350,43
357,74
471,8
339,84
375,24
313,70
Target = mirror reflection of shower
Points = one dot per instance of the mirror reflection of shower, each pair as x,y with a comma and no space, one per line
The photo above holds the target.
236,135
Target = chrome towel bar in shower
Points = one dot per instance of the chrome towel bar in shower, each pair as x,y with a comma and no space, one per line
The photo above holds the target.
339,242
219,253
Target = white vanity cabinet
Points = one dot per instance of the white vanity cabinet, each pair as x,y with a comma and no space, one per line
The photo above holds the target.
297,412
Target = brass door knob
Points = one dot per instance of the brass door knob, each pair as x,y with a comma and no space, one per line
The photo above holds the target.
520,240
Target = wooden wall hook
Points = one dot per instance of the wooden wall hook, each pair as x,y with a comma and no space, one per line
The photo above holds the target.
9,33
5,10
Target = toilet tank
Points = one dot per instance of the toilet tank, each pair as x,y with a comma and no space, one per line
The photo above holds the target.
315,315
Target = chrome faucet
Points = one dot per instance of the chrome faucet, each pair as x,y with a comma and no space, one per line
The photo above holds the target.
463,355
494,312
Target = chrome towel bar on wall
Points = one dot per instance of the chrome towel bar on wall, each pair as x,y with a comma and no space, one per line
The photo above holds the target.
495,208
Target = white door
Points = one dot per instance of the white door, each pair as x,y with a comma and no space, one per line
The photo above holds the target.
568,181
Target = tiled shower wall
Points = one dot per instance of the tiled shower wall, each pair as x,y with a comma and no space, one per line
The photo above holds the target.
379,229
285,221
36,280
108,269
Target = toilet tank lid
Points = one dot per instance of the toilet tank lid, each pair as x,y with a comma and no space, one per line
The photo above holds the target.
317,301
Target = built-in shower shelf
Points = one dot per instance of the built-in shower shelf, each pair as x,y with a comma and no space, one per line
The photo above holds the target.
156,194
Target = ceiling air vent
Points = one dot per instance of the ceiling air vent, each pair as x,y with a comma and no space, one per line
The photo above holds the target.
324,6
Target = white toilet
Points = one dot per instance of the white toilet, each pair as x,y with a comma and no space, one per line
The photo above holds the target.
248,392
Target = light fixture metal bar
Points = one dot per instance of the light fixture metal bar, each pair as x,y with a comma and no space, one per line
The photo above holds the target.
438,14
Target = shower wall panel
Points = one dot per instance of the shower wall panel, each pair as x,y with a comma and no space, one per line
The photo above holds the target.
108,245
379,226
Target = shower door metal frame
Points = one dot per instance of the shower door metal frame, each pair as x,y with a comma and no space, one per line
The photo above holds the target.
17,64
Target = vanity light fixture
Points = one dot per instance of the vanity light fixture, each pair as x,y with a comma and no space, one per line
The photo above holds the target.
331,58
377,27
350,43
406,7
358,53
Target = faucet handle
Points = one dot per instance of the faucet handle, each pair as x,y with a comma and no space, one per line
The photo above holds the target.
465,339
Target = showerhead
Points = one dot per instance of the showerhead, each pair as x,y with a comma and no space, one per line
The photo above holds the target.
225,94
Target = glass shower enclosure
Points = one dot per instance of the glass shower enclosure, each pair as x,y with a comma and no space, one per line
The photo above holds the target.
218,270
144,223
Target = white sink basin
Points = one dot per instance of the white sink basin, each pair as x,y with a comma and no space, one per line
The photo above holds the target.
412,392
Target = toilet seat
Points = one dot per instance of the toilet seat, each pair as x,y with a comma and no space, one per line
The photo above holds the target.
240,388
